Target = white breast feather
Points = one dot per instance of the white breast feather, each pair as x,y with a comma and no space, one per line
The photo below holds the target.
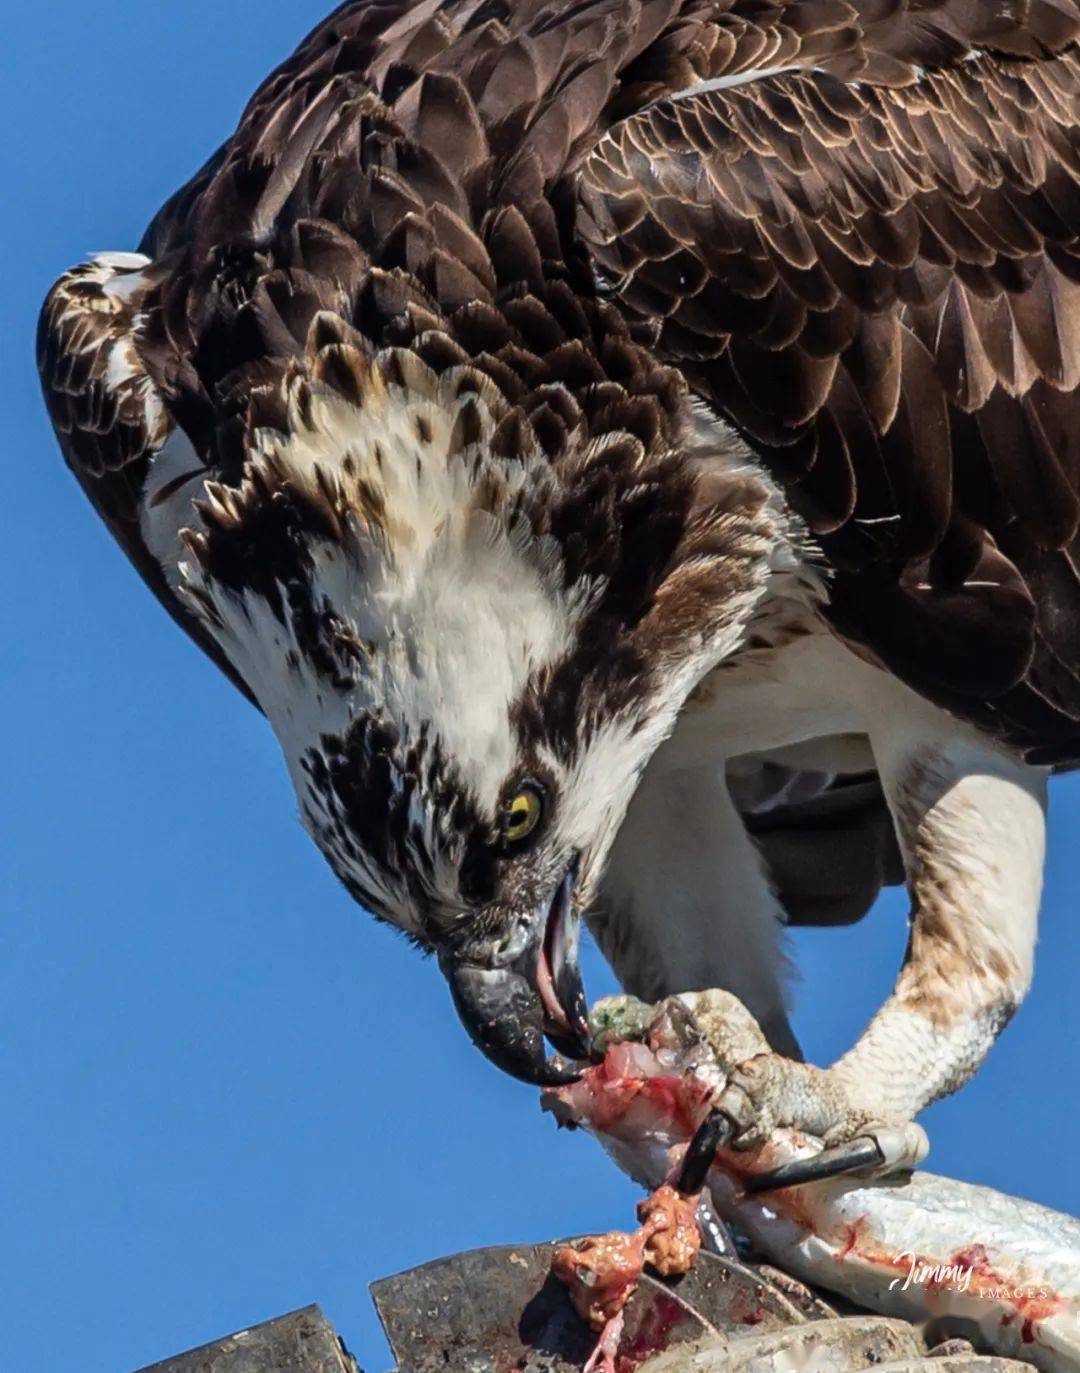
457,605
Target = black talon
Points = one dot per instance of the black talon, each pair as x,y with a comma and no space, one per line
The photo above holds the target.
852,1157
712,1134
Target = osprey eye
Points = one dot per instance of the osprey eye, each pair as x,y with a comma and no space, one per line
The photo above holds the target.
522,814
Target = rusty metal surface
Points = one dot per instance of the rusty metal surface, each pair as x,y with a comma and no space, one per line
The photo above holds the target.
497,1310
302,1342
735,1298
500,1311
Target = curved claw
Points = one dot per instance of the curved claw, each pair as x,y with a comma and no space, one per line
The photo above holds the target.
712,1134
856,1156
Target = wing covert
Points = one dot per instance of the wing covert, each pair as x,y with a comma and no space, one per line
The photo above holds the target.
880,288
109,417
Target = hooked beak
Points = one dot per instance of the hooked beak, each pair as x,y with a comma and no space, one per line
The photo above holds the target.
508,1010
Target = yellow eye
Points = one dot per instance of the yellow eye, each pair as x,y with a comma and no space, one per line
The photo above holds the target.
522,815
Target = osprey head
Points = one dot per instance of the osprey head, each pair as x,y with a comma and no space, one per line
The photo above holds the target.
469,651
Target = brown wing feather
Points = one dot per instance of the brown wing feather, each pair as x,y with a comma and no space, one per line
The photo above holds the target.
395,172
412,169
879,287
108,415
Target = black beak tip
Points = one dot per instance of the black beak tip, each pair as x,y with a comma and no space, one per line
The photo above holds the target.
533,1067
504,1019
508,1010
556,1073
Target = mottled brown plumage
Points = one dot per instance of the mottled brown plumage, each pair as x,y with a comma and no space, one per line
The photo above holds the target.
527,388
876,283
881,288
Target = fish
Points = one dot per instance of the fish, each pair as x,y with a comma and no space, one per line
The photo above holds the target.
1002,1271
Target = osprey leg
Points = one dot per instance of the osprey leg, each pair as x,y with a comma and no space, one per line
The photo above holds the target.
971,824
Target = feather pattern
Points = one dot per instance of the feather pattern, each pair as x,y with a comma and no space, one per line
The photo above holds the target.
870,287
850,226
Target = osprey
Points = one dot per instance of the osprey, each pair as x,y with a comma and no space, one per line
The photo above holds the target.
629,451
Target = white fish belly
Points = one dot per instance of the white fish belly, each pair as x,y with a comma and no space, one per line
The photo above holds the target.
929,1246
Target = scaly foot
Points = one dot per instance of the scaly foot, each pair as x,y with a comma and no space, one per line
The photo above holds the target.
765,1091
768,1092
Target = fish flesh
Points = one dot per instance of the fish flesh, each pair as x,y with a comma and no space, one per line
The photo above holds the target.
1002,1271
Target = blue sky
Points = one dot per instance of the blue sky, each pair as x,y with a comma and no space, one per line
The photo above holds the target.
225,1091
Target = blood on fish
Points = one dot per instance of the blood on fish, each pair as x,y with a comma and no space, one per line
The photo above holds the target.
649,1102
627,1077
854,1230
986,1282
